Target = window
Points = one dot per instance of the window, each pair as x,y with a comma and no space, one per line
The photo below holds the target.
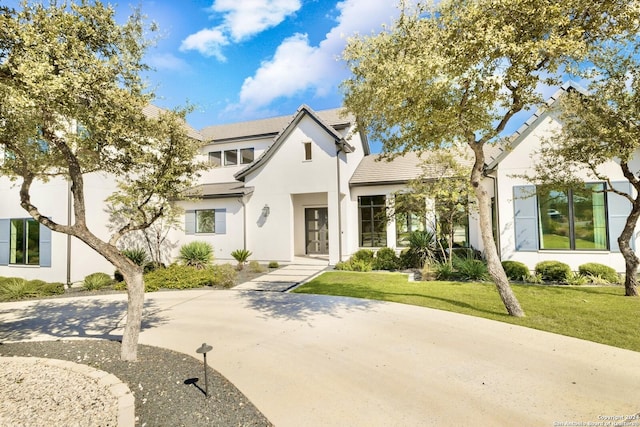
246,156
373,221
231,158
215,158
573,219
24,242
206,221
407,219
307,150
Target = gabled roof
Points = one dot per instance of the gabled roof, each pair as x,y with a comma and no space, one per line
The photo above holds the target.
154,112
336,118
496,153
279,138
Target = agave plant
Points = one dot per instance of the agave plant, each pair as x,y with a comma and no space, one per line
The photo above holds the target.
196,254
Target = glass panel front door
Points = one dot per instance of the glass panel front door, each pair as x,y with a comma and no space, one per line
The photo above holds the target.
317,231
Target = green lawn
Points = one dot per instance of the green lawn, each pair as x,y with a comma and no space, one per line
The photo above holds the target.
600,314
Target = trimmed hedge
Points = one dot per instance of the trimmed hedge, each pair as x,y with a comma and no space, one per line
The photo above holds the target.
386,259
554,271
515,270
602,271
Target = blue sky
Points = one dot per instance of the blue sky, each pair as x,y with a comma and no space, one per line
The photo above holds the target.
239,60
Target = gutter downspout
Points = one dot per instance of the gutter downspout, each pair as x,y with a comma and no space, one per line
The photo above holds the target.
244,222
68,235
495,210
340,150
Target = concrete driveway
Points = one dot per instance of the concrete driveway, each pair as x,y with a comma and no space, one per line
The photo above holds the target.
320,361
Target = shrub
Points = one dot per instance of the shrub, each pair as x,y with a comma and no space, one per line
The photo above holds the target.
554,271
96,281
361,265
255,267
599,270
343,265
274,264
178,276
470,268
241,255
515,270
15,288
152,266
118,277
421,247
443,271
366,255
386,259
224,275
137,255
196,254
576,279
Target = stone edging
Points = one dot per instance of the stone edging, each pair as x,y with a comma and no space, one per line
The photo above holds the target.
126,401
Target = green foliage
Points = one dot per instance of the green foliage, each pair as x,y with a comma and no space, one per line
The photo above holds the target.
96,281
576,279
365,255
255,267
516,270
137,255
196,254
152,266
241,255
177,276
15,288
554,271
422,245
444,271
274,264
470,268
386,259
599,270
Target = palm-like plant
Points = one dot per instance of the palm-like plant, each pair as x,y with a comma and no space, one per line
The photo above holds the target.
196,254
241,255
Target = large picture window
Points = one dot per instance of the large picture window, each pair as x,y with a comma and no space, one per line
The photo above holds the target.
408,218
24,242
573,219
373,221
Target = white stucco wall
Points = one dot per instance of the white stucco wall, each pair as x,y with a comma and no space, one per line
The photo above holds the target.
521,160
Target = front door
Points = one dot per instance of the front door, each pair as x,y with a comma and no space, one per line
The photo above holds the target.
317,230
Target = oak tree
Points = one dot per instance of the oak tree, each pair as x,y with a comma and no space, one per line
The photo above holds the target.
74,104
456,72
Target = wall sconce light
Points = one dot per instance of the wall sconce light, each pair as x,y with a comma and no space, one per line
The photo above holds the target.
266,211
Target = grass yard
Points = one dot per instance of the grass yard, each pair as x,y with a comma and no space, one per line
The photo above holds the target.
599,314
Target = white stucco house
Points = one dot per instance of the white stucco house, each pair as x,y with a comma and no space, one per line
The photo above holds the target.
307,185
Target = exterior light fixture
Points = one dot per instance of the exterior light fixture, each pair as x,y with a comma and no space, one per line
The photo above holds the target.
204,349
266,211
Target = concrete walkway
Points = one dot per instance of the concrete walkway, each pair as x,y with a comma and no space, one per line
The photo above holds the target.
283,279
329,361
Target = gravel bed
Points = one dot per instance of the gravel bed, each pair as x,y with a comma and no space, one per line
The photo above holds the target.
168,387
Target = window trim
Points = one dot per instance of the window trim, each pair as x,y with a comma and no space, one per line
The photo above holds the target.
219,159
197,222
226,160
25,239
308,151
372,207
241,156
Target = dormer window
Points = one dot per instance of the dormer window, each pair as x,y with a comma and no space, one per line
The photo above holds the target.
230,157
246,156
307,151
215,158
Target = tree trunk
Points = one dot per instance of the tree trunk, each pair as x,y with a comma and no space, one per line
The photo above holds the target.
486,230
631,261
135,296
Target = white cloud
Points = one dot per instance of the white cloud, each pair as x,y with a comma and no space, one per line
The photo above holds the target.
245,18
297,66
242,19
209,42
